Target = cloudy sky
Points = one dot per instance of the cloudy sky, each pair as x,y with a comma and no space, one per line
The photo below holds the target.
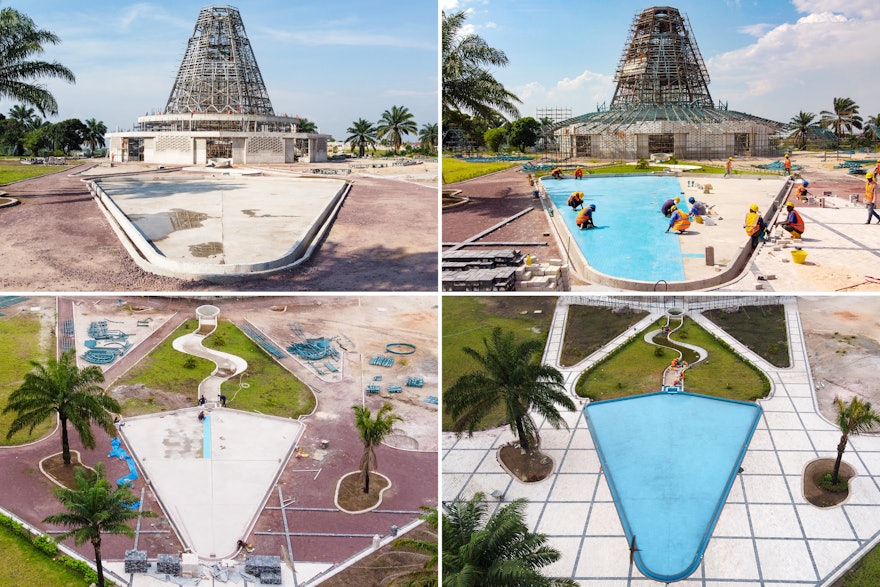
770,58
331,62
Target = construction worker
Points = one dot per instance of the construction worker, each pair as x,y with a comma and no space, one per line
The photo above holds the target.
576,199
877,168
679,221
870,194
728,169
787,165
578,173
697,208
585,217
794,224
669,206
755,226
557,173
801,193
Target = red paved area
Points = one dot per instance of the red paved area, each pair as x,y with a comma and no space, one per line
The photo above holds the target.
384,239
494,198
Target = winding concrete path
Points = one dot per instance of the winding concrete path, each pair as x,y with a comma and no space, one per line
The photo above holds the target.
227,365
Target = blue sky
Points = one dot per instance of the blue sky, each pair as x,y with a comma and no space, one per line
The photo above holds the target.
770,58
331,62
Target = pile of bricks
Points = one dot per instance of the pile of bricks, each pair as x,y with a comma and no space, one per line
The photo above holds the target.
136,561
550,276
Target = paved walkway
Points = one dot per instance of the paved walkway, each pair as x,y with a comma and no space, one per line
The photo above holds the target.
767,534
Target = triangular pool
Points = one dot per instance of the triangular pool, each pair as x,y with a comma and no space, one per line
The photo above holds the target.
670,459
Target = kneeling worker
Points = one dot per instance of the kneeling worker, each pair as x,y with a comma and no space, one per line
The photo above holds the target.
585,217
794,224
755,226
669,206
576,199
679,221
697,208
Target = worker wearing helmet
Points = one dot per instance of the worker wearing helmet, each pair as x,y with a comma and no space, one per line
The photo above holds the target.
793,223
679,221
870,194
669,206
576,199
578,173
787,165
697,208
585,217
729,167
877,168
755,226
801,193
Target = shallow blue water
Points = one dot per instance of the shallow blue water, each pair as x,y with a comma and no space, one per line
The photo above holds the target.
629,239
670,460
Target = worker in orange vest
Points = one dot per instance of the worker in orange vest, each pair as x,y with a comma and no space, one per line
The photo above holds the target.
870,194
794,224
787,165
755,226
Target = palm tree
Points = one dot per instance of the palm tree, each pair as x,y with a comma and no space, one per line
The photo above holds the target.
372,432
511,376
428,136
21,39
22,114
61,387
501,552
93,136
872,128
93,509
306,125
468,86
802,126
362,135
843,119
394,124
856,417
427,575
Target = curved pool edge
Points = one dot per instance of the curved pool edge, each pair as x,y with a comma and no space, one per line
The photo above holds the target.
582,268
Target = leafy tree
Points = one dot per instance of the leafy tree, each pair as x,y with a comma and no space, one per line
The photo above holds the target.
362,134
511,376
67,135
93,135
20,39
394,124
11,136
61,387
843,119
500,552
524,133
468,86
36,140
495,138
428,137
372,432
427,575
856,417
94,508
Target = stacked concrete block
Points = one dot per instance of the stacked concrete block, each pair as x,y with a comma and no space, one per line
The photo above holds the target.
270,577
169,564
136,561
267,568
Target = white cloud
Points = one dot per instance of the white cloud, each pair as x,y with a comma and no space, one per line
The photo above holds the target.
866,9
581,93
448,4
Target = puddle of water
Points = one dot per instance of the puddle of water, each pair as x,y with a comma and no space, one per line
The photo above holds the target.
206,249
157,226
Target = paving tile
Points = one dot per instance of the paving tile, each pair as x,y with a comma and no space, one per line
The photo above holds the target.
733,522
730,558
766,489
865,519
604,521
829,554
564,519
580,461
775,521
574,487
825,522
604,557
761,462
785,560
463,461
791,440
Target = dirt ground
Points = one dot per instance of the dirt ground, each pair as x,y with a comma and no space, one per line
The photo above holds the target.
843,346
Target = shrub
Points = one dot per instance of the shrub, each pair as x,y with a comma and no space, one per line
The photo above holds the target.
642,164
81,567
658,351
46,544
826,484
189,362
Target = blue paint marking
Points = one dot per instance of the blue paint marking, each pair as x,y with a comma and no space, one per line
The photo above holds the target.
116,451
206,437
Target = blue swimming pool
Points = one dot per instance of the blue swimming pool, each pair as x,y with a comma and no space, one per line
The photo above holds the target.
629,239
670,460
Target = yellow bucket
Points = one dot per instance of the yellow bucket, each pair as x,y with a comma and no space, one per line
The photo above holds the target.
698,219
799,256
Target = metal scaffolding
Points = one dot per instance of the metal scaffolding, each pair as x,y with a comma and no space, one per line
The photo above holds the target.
219,73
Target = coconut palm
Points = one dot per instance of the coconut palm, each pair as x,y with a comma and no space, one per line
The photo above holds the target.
394,124
94,508
428,136
93,135
468,86
372,432
20,39
802,126
22,114
59,386
306,125
843,119
362,134
427,575
498,551
509,375
855,417
872,128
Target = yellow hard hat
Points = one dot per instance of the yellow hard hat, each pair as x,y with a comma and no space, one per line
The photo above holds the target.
870,175
730,158
789,205
753,207
786,155
677,199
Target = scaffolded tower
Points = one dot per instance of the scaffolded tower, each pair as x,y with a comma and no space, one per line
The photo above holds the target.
219,72
662,103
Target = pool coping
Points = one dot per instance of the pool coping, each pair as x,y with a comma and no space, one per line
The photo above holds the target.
581,267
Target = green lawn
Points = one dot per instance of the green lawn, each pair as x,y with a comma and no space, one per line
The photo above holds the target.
467,321
272,389
636,369
455,170
760,328
11,171
19,344
866,572
591,327
24,565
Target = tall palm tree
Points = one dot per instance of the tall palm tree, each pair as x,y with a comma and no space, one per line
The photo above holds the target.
306,125
372,432
362,134
22,114
872,128
802,126
20,39
843,119
427,575
856,417
428,136
468,86
94,508
394,124
509,375
501,551
93,135
59,386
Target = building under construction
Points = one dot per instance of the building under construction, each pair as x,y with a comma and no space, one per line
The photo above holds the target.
662,103
218,108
